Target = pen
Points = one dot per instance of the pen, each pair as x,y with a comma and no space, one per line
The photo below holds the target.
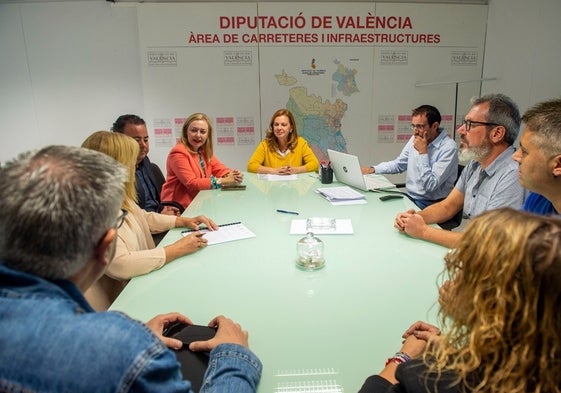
287,211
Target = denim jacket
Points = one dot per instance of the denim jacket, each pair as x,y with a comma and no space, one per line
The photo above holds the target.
51,340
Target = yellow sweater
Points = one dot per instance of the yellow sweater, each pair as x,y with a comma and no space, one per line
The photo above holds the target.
301,155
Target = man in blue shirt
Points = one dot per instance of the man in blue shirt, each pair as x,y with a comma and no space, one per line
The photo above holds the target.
539,157
430,158
149,177
488,181
58,225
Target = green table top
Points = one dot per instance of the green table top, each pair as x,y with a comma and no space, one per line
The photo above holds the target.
327,329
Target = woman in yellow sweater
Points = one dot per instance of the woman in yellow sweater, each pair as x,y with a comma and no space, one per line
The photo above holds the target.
283,152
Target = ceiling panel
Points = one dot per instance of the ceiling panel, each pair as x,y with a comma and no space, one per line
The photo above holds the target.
260,1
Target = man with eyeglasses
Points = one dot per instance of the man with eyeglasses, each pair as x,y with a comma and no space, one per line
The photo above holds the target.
58,226
539,157
488,181
430,158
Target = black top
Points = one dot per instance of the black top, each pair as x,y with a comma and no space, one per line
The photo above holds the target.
412,377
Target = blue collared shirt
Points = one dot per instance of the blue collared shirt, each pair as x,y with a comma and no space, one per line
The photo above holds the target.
496,186
430,176
51,340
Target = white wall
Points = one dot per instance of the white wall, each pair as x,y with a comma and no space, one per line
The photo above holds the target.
70,68
523,50
66,70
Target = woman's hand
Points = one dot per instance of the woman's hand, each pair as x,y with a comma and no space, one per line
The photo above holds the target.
185,245
284,170
422,330
233,177
196,222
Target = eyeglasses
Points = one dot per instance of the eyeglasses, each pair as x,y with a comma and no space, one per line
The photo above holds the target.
121,219
418,126
468,123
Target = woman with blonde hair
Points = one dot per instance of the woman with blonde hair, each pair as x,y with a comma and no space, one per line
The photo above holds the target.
136,252
192,166
500,314
283,152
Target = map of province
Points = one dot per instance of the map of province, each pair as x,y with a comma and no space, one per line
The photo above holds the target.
317,121
345,78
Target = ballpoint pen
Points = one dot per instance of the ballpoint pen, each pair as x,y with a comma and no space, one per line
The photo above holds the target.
287,211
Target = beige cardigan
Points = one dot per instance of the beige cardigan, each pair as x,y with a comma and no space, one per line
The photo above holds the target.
135,254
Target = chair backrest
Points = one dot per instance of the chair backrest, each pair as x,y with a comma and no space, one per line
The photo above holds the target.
160,180
158,177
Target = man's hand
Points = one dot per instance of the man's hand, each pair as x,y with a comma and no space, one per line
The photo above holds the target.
414,226
399,222
159,322
227,331
420,142
367,170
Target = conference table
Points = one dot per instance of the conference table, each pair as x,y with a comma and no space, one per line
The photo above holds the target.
314,331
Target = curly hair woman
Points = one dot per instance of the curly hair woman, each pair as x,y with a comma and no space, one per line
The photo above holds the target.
499,313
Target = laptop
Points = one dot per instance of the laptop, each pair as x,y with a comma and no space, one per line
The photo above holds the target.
346,169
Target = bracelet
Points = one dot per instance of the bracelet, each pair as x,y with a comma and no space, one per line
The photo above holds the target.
214,184
398,358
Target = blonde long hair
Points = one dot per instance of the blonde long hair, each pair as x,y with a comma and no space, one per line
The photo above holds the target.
501,312
123,149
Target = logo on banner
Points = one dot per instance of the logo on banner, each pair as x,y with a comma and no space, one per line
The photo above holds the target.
394,57
238,58
162,59
463,58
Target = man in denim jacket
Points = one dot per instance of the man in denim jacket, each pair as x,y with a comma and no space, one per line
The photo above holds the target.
58,223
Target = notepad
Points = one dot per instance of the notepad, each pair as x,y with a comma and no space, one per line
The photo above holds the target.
225,233
272,177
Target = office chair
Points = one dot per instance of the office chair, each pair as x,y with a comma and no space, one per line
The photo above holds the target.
159,182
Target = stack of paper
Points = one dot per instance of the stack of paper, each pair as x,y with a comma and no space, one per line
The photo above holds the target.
341,195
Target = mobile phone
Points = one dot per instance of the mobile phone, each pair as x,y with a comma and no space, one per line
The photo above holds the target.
388,197
234,187
189,333
193,364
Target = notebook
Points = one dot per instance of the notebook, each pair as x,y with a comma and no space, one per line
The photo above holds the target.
346,168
